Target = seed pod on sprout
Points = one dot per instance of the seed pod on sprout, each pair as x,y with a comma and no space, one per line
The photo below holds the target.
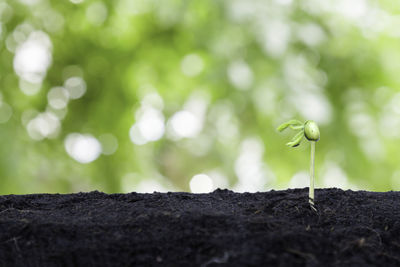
311,131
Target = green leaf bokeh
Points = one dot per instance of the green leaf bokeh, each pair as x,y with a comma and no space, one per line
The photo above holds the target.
172,89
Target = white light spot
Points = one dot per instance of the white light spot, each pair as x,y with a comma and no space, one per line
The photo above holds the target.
192,65
97,13
189,122
361,124
185,124
58,97
265,99
197,103
241,11
301,75
154,100
76,1
313,106
83,148
44,125
149,126
201,183
225,122
136,136
249,166
275,37
22,32
109,143
33,57
59,113
352,9
240,75
29,88
311,34
75,86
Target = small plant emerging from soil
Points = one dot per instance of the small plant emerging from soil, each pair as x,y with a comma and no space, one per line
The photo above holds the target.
309,130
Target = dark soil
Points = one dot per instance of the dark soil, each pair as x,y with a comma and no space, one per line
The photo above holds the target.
222,228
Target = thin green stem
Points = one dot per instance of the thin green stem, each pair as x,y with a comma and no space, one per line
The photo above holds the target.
312,171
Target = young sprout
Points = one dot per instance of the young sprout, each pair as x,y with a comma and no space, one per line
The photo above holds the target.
309,130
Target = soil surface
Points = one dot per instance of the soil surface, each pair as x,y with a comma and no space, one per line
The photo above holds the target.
223,228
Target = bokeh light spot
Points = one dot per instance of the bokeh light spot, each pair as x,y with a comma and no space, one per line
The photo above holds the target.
201,183
249,166
240,75
192,65
97,13
136,136
149,126
185,124
109,143
29,88
58,97
75,86
44,125
33,57
84,148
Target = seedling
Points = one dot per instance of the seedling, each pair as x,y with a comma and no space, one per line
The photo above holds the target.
309,130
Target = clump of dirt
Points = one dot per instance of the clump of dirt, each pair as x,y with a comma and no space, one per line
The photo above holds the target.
223,228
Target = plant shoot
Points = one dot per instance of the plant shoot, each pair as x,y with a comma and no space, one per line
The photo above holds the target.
309,130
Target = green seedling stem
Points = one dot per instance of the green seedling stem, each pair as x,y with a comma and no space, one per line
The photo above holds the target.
312,177
309,130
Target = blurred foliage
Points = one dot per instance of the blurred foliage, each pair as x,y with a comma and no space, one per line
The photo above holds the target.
143,95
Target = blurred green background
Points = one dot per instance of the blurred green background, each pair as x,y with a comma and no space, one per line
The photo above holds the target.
145,95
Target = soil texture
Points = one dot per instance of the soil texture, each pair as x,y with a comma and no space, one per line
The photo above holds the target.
222,228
